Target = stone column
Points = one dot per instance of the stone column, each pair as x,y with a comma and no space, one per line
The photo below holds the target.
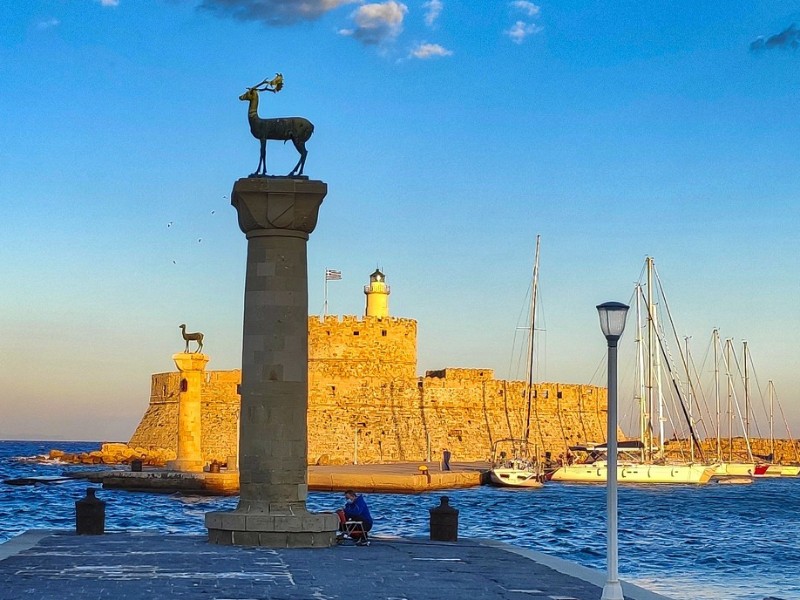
276,214
192,370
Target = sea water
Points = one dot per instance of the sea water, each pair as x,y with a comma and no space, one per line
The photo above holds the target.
720,542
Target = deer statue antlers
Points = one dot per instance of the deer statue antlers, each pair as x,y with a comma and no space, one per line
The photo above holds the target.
274,85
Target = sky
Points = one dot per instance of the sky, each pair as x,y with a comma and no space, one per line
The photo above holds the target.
450,134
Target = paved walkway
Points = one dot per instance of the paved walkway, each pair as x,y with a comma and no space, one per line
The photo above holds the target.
42,565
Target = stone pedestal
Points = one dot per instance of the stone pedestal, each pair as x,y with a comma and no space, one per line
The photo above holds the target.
277,215
192,366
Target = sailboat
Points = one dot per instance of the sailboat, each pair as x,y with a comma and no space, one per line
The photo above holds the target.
513,463
644,460
779,470
732,467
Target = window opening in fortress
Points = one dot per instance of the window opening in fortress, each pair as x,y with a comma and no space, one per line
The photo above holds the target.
383,332
184,385
355,333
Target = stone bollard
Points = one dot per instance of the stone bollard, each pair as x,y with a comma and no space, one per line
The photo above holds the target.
444,522
90,514
136,465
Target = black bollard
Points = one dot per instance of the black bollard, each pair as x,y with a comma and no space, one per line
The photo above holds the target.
444,522
136,465
90,514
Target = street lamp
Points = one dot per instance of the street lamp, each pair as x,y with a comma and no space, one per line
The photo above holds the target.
612,323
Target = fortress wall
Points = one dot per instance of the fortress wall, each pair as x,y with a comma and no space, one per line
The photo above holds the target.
220,414
396,419
353,348
363,390
159,425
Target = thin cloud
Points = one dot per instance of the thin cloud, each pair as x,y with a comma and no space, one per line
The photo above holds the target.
427,51
529,8
788,38
433,10
48,24
377,23
276,13
521,30
108,2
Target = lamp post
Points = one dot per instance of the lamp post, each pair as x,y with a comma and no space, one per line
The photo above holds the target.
612,322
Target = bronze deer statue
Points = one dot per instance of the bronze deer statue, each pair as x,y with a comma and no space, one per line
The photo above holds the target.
297,129
192,337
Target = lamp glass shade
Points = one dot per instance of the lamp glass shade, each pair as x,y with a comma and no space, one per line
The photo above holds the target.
612,318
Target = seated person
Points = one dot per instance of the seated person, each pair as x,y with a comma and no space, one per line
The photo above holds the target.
355,509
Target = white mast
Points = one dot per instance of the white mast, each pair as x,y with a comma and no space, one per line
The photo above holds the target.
746,394
643,414
771,388
689,395
531,345
716,391
650,342
659,389
729,375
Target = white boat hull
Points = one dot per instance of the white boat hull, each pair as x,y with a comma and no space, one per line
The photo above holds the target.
783,471
734,469
597,472
509,477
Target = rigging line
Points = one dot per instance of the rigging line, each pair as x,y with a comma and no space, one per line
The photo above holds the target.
661,345
760,391
703,395
698,394
740,370
736,403
786,423
683,359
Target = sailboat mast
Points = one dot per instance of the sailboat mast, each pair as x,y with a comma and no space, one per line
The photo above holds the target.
689,393
716,391
650,343
771,388
730,395
746,394
640,392
531,345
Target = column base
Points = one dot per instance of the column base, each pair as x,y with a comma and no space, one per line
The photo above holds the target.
301,530
185,465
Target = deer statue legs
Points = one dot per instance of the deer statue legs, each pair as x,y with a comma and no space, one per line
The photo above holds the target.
301,148
261,169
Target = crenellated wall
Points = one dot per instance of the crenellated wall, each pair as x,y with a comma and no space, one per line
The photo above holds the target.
365,399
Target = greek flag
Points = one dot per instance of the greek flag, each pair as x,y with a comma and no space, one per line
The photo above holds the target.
332,275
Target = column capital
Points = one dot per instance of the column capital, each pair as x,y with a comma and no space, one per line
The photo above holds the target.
190,361
278,204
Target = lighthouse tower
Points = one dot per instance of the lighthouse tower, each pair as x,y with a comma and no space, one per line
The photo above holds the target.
377,293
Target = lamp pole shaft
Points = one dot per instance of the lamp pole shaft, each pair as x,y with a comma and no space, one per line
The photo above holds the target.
612,589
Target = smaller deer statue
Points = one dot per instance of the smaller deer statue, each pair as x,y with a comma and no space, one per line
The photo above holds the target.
192,337
297,129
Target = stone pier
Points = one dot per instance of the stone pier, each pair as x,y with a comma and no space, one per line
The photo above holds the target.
277,215
192,371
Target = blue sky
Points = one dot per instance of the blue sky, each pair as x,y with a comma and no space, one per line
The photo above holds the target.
450,133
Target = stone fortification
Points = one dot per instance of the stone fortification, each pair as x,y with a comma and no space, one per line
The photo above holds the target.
354,349
367,404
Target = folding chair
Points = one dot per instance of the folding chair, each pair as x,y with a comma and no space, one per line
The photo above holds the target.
356,532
